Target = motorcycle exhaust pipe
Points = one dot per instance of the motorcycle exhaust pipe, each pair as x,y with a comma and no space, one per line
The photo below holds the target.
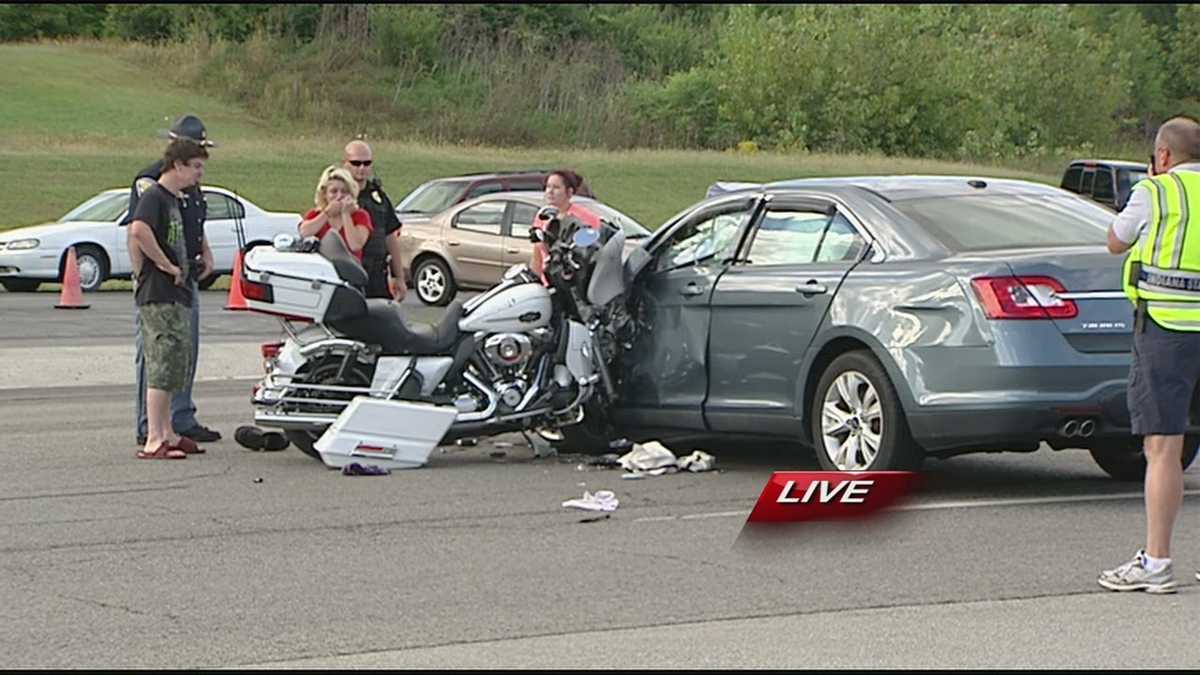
1070,429
1086,428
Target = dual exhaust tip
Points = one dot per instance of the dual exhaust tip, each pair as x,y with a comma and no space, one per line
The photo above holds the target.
1078,428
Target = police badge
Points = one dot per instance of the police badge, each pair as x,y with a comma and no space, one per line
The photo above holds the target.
144,183
376,197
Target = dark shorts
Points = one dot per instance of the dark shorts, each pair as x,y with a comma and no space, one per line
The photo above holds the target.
1162,378
167,332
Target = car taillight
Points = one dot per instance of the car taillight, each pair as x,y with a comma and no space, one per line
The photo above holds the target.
252,290
1023,298
271,349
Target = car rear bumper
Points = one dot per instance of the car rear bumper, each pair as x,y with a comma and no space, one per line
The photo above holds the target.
1026,423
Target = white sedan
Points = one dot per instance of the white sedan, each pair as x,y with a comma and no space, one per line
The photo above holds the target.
34,254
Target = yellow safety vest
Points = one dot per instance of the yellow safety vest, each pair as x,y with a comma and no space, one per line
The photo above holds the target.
1163,267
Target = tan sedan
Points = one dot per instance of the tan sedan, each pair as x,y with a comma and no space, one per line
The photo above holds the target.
470,245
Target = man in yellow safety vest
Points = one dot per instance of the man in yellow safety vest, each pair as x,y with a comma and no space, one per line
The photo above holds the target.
1160,227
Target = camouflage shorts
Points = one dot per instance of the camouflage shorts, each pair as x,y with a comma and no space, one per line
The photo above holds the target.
166,329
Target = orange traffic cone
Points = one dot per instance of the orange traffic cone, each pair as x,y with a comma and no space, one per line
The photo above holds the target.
236,300
72,293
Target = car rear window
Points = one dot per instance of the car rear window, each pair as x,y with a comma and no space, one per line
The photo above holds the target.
1072,178
982,222
1127,178
102,208
432,197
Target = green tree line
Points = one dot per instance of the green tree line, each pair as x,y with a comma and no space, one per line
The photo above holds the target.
951,81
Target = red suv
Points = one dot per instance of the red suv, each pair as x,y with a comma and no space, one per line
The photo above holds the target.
435,196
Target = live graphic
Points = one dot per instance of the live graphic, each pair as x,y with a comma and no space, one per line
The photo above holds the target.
792,496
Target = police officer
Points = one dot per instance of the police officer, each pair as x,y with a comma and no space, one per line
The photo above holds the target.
193,211
1160,227
384,241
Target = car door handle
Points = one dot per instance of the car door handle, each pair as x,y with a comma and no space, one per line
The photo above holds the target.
812,288
692,289
453,243
514,250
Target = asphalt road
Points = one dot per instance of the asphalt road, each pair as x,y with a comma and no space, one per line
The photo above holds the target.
239,558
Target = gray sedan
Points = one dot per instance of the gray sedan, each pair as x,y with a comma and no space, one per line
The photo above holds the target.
884,319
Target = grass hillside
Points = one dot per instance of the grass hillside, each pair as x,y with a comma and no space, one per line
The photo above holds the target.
77,118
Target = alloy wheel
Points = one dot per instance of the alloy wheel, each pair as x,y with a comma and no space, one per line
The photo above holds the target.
852,422
431,284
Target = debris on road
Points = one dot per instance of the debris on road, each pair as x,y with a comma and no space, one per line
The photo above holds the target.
601,500
655,459
356,469
253,438
697,462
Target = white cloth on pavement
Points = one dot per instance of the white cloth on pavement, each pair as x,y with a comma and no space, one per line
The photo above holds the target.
601,500
648,457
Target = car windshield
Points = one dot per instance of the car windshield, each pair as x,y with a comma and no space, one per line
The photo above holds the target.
432,197
103,208
632,228
982,222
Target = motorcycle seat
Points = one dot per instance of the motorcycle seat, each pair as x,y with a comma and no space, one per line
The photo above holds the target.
384,324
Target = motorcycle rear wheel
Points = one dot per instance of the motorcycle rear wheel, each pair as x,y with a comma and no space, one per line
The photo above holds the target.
324,371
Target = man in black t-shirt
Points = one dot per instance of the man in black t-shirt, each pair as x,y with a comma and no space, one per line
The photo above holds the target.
385,239
158,253
193,210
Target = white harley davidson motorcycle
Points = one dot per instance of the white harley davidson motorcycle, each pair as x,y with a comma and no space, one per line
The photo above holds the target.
519,356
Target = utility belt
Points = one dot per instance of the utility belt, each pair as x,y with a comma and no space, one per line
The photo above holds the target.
375,262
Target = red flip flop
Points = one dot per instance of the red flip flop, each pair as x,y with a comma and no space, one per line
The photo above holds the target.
163,451
188,446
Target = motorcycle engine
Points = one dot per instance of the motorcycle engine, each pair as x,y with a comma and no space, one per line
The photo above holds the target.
508,351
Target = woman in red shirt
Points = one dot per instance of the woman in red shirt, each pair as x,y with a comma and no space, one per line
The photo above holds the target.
337,209
560,186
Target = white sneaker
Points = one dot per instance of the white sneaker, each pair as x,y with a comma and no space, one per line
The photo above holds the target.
1133,576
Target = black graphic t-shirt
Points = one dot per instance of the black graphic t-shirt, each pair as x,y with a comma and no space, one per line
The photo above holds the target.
159,209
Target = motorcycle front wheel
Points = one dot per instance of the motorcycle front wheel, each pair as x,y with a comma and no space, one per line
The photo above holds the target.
591,436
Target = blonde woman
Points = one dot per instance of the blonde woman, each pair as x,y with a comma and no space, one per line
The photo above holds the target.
337,209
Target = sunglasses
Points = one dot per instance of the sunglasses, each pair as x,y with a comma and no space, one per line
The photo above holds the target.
359,162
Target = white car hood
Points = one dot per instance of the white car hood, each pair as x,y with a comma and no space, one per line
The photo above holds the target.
51,231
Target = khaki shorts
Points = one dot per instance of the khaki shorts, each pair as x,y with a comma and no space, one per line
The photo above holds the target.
167,333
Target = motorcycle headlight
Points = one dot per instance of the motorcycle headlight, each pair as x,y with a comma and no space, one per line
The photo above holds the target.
22,244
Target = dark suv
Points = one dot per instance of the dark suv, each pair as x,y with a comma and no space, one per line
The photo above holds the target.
1105,181
435,196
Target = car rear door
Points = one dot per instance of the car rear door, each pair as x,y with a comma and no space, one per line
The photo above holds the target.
474,239
666,372
517,247
766,309
221,229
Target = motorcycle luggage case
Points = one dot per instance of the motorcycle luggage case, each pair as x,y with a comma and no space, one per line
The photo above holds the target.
390,434
296,290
